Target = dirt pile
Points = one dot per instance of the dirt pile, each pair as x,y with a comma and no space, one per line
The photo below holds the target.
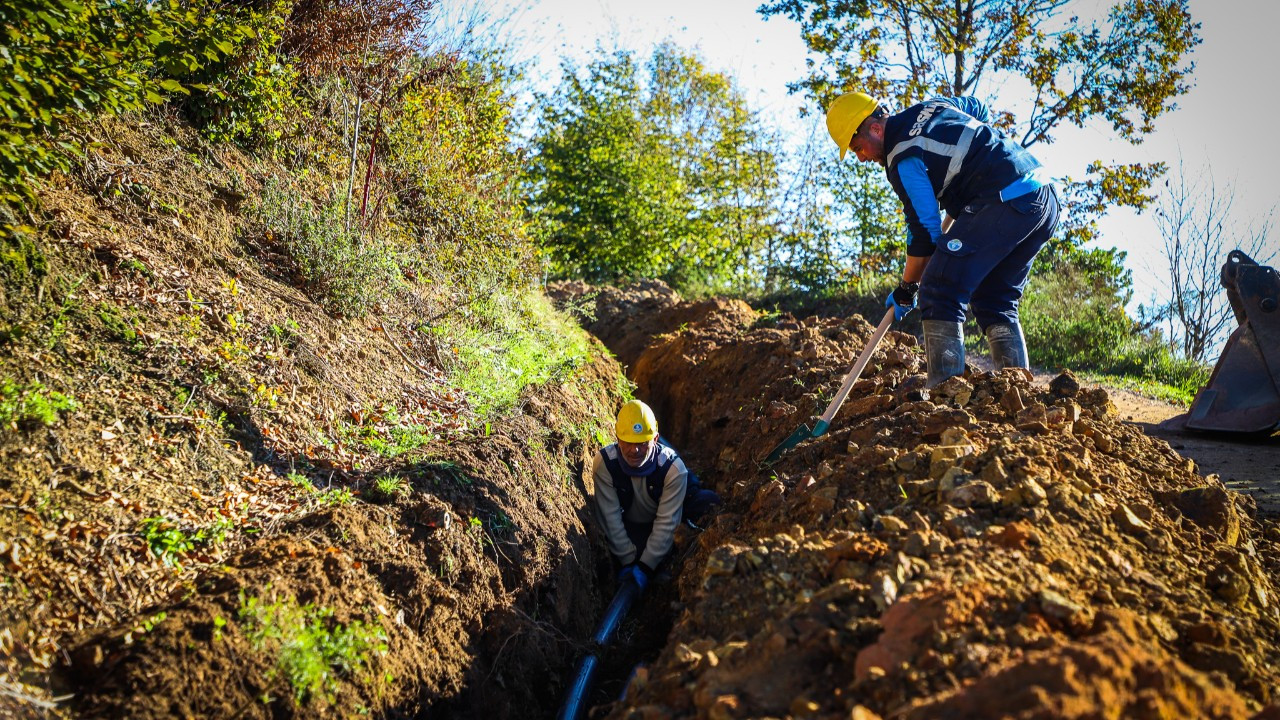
992,548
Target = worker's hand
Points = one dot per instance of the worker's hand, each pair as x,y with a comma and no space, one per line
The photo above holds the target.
902,299
636,572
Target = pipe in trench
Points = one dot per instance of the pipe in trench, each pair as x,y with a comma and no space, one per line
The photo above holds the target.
575,699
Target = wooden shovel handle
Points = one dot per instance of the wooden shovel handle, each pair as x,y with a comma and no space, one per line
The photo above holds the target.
856,371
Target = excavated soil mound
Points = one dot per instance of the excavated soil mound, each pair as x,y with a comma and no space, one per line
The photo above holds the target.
993,548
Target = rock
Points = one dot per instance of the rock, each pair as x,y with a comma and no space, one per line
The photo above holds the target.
934,424
1028,492
1011,400
953,478
1071,409
873,405
1230,581
1213,509
769,495
723,707
957,388
973,494
916,489
1033,419
950,453
994,472
723,560
917,544
1059,610
1065,385
685,655
893,524
907,462
884,591
1226,660
1128,521
955,436
779,409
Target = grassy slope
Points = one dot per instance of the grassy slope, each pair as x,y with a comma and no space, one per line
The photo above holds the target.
186,430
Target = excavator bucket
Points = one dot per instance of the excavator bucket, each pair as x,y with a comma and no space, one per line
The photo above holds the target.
1243,394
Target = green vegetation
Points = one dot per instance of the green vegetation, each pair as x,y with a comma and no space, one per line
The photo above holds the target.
31,405
170,542
312,649
508,341
335,497
668,176
349,270
65,60
389,487
386,433
1074,319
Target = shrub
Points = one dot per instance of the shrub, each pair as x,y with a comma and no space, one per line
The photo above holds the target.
247,96
347,269
64,60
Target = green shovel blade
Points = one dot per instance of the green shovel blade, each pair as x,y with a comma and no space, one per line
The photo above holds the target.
801,434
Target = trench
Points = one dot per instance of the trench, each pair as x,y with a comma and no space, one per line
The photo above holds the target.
643,632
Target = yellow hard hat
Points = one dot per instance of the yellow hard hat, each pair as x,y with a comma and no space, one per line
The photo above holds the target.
636,423
845,114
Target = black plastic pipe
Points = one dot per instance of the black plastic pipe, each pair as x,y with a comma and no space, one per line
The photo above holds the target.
574,701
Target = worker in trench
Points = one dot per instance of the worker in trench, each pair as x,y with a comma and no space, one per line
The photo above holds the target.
942,153
644,491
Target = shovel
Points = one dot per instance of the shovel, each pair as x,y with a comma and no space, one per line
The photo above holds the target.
820,428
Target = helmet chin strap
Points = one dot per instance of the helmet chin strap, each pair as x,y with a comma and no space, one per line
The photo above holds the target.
646,467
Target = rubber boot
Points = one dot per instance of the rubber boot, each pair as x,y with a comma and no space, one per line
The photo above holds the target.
943,350
1008,346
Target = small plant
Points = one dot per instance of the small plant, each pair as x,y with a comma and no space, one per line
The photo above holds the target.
166,540
312,648
300,481
31,405
170,543
335,497
389,487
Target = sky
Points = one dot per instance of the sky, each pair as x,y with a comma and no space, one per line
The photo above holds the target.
1224,123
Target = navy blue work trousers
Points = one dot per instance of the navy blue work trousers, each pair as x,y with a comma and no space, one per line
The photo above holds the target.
983,260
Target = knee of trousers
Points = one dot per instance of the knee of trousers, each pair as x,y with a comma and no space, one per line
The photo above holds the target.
940,304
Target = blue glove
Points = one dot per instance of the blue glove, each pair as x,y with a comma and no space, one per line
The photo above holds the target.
902,299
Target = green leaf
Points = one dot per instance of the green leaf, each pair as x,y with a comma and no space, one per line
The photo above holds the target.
174,86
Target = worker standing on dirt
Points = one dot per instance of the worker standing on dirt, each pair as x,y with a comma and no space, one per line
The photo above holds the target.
643,491
942,154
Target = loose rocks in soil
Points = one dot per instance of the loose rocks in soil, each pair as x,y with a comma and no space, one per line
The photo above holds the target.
992,548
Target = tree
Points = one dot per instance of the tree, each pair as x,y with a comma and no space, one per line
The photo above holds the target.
660,171
1126,70
1194,216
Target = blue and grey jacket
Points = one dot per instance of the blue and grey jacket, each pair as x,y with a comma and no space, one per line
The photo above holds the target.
942,153
653,493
